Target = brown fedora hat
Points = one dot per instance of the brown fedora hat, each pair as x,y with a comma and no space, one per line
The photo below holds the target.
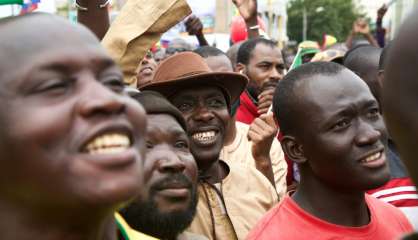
188,69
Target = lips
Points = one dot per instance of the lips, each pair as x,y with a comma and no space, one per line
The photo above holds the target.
374,160
205,138
108,143
147,70
174,189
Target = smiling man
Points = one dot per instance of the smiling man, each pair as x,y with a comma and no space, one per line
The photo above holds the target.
340,153
231,197
72,144
170,174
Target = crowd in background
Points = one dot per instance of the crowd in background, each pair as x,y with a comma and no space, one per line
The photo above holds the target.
106,136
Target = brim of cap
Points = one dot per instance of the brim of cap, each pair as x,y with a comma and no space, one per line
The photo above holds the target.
232,83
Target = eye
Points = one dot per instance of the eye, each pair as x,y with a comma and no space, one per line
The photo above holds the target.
264,66
373,113
280,68
181,144
341,125
55,86
184,106
114,82
216,103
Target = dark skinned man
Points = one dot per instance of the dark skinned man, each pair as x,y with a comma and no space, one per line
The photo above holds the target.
170,174
253,145
400,94
72,144
340,153
262,62
231,197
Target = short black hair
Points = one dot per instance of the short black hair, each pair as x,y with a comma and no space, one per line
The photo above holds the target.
285,97
384,56
208,51
246,49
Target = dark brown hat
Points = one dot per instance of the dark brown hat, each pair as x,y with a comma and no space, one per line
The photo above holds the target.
188,69
155,103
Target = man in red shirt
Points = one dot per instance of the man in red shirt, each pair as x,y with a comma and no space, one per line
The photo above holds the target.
262,62
340,153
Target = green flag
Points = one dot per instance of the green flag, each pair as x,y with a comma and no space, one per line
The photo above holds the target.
4,2
298,58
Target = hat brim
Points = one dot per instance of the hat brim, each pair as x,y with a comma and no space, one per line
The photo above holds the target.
232,83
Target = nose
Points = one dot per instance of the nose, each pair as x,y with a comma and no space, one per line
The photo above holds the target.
144,61
203,114
275,74
367,134
169,162
97,99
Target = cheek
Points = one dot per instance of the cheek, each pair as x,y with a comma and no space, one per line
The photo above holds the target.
46,127
191,167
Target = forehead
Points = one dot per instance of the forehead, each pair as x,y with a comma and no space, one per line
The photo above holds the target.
219,63
323,96
264,52
24,46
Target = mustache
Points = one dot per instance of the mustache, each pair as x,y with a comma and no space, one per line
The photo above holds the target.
177,179
269,84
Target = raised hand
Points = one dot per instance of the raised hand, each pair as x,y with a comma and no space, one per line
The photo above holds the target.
246,8
194,26
382,11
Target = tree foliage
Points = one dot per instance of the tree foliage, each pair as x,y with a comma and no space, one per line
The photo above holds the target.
333,17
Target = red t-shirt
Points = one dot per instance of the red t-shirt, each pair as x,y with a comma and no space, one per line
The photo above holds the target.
287,221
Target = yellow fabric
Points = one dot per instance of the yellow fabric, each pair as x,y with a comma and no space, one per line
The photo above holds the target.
248,196
239,151
132,234
137,28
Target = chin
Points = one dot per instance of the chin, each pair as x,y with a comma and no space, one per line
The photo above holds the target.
115,192
376,181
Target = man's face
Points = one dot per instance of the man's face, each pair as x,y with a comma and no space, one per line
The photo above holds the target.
146,70
206,113
344,139
69,137
265,69
219,63
170,174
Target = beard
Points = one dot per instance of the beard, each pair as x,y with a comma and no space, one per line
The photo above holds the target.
145,216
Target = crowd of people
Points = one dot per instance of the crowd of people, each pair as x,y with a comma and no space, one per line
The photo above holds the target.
188,143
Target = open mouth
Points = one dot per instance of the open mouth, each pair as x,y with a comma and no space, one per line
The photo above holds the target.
205,137
108,143
147,70
374,160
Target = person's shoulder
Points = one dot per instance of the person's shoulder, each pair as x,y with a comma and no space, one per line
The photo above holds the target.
250,181
248,173
269,225
242,127
387,211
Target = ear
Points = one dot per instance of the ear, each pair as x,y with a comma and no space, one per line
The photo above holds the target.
293,149
241,68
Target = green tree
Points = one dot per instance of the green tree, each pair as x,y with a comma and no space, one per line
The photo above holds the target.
333,17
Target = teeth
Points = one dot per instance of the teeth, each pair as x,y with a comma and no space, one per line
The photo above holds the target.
373,157
204,136
108,144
